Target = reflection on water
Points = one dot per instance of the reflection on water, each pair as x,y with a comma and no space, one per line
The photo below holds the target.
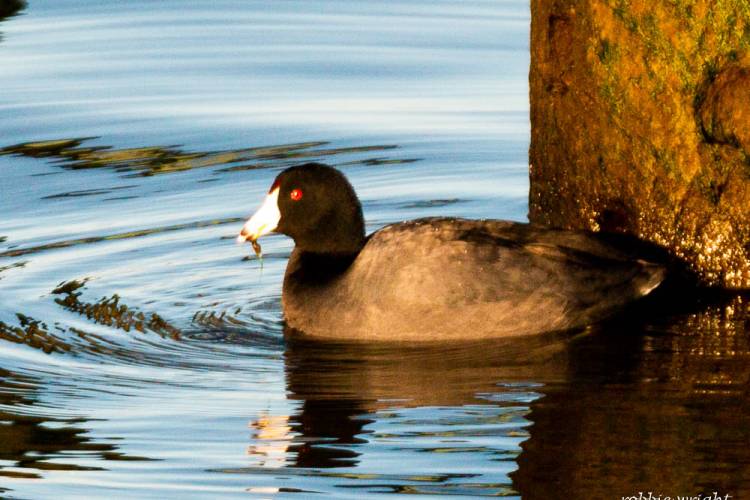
71,154
137,136
31,445
663,407
110,237
437,405
108,311
656,400
659,404
14,265
147,161
11,8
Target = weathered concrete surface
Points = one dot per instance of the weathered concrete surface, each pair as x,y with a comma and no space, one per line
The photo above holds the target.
640,122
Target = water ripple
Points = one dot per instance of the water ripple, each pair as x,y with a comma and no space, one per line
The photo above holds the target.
16,252
148,161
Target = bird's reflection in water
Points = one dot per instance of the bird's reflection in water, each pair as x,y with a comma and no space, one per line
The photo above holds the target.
657,404
661,407
271,437
344,387
317,436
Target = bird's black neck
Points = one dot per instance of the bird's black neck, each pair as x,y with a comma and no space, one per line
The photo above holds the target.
318,268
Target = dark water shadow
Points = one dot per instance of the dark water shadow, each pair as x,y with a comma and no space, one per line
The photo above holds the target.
107,311
656,403
77,154
15,265
30,445
9,8
652,402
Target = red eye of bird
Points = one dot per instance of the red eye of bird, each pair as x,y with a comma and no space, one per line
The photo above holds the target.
296,194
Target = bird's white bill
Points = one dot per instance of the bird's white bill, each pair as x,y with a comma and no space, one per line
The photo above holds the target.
264,220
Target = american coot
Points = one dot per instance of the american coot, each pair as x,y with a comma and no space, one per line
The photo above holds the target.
435,278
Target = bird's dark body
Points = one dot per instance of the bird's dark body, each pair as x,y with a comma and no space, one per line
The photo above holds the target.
445,279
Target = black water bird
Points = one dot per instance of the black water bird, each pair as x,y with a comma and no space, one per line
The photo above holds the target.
435,279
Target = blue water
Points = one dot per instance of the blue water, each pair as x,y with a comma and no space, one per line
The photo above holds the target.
135,138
